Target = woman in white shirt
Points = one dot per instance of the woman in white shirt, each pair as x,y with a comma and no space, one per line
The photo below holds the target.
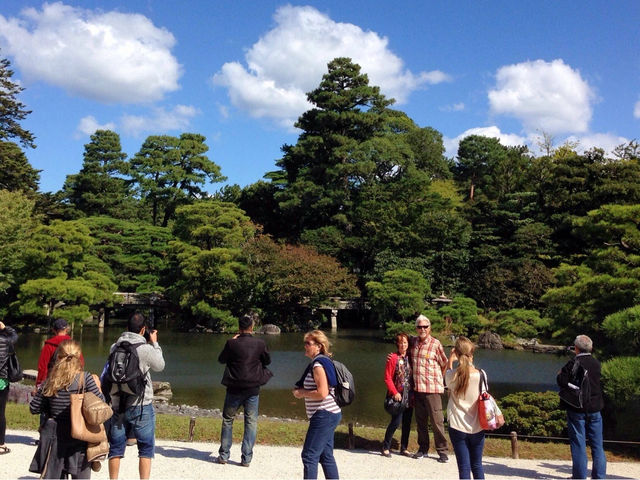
317,387
465,431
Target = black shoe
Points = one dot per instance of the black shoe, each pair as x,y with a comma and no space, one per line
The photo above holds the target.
420,454
221,461
385,453
443,458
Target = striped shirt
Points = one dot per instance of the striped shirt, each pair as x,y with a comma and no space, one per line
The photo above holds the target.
327,403
58,406
427,360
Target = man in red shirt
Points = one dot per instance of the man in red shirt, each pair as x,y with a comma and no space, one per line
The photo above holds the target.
60,329
428,362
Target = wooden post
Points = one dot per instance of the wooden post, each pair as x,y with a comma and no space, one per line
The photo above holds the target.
351,441
514,445
192,426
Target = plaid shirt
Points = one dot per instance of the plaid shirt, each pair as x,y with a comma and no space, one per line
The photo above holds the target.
427,360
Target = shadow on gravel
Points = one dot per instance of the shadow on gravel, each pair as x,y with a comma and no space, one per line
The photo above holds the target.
18,439
502,470
566,470
184,452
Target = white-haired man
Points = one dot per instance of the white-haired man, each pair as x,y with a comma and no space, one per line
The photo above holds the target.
428,362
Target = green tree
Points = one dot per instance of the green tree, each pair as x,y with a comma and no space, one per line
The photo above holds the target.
287,282
209,263
96,189
623,329
137,253
476,157
17,223
169,172
16,173
12,111
400,296
63,277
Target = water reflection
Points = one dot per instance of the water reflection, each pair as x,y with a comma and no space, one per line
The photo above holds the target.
194,373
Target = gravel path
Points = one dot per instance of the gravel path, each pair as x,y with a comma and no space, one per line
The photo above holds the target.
186,460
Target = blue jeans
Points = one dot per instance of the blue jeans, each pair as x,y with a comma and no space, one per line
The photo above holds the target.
232,403
405,418
318,445
468,448
583,427
139,420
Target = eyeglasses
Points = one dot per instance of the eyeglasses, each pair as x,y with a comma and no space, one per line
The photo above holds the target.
423,327
308,344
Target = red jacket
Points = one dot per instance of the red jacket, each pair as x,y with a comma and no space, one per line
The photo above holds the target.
47,352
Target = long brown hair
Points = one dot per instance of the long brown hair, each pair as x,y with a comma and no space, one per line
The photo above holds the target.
64,371
464,349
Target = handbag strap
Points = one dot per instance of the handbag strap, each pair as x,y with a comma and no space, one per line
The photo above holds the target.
483,386
82,382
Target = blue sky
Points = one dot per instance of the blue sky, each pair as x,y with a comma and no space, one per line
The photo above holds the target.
237,71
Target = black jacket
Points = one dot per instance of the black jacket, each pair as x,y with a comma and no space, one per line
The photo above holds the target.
589,363
8,338
246,358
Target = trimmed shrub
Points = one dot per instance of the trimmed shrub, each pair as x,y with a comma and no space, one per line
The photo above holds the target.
621,380
534,413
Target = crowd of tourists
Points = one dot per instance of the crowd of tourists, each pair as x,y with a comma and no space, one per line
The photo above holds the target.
416,377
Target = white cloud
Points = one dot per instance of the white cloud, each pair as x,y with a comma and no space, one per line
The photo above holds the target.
506,139
605,141
636,110
160,121
88,126
456,107
109,57
290,59
548,96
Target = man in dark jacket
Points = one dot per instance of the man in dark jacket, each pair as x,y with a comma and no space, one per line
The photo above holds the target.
582,397
246,358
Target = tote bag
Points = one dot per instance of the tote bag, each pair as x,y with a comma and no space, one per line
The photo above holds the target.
489,413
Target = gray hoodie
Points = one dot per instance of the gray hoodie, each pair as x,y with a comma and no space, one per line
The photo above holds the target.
150,358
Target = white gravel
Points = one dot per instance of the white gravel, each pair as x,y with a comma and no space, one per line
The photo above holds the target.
186,460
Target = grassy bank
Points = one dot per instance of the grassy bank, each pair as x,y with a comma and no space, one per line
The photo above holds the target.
292,433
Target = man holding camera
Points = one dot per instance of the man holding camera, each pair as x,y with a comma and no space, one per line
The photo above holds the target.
134,412
581,395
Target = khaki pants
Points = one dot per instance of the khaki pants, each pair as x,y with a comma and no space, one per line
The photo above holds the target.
429,406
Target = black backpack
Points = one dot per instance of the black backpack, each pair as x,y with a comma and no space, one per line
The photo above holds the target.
123,371
578,391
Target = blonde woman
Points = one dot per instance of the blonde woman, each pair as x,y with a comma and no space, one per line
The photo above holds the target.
465,431
59,455
317,387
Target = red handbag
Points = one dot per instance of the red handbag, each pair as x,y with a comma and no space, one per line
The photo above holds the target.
489,413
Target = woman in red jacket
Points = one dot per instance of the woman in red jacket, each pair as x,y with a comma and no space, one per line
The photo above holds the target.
397,377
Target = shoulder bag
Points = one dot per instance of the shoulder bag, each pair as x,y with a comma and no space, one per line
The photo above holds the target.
489,413
80,428
14,372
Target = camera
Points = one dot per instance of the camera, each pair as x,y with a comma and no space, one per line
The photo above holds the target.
147,330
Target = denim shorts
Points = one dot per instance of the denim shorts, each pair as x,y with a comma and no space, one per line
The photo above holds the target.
142,423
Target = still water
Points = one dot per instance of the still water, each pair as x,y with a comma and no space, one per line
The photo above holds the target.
194,372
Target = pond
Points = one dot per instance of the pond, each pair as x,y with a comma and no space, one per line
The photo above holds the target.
194,372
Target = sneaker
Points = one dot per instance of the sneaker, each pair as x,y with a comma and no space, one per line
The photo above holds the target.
443,458
221,461
420,454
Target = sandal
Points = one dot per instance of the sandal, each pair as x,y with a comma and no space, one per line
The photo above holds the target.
4,449
385,453
406,453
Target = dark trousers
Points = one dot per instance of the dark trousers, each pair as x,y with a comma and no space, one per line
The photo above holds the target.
4,394
428,406
405,418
